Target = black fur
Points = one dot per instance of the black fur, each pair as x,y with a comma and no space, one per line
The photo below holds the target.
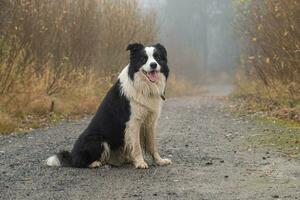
65,158
160,55
108,124
138,58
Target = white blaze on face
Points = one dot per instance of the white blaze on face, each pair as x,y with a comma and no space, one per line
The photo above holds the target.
149,52
150,73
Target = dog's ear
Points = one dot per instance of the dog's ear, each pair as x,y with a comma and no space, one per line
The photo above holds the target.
161,48
134,47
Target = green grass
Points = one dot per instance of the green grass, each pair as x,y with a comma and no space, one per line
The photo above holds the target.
285,138
287,123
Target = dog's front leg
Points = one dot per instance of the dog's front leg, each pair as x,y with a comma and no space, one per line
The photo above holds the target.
133,145
150,145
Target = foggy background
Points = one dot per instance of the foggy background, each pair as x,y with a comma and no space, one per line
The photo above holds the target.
199,38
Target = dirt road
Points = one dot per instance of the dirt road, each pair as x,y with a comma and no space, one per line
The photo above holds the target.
208,145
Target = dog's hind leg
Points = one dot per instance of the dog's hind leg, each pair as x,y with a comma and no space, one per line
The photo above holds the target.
96,164
103,158
117,157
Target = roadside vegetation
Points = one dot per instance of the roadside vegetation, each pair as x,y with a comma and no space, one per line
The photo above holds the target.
269,77
59,58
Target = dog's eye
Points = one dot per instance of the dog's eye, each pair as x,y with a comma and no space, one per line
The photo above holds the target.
158,56
144,59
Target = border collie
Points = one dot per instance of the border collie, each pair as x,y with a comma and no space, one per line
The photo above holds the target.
125,122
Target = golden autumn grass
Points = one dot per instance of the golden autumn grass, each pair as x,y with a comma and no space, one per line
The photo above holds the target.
253,96
33,108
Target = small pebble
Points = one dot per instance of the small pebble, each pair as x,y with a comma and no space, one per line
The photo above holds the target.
209,163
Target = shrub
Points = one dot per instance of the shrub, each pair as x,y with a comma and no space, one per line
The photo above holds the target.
270,45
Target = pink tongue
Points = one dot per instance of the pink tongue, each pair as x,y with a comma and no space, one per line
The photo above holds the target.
152,76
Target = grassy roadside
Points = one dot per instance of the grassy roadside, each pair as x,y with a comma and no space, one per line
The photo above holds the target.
275,102
26,111
280,135
34,110
280,120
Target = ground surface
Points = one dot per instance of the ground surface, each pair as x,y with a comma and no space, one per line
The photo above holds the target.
209,147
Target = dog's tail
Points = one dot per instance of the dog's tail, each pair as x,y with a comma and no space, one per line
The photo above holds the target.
63,159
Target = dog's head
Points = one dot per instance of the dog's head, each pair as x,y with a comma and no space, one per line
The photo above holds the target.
148,61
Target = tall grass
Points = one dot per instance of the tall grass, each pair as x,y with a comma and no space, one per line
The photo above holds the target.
57,58
270,45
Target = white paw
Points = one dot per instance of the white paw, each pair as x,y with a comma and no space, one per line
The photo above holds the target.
95,164
164,161
141,165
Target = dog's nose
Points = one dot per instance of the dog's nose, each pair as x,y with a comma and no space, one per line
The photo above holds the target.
153,65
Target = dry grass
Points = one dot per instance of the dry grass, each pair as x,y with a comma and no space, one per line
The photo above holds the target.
179,86
36,109
7,123
33,109
253,96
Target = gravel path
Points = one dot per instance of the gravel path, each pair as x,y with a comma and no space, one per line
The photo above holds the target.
207,144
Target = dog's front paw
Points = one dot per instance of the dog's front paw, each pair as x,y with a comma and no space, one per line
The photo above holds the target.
162,161
141,165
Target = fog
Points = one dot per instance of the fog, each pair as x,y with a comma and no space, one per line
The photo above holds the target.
199,37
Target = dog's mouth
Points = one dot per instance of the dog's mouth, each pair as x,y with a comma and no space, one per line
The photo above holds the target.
151,75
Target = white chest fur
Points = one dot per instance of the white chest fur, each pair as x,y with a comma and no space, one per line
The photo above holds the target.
142,92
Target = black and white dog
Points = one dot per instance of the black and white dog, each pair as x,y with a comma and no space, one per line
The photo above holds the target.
125,122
